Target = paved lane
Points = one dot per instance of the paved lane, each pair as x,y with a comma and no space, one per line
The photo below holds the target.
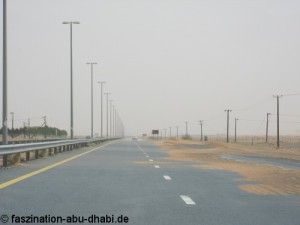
120,179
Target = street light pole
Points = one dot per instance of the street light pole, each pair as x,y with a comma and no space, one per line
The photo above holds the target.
71,69
12,125
110,118
107,113
4,102
116,116
28,128
177,131
113,121
101,82
92,99
170,131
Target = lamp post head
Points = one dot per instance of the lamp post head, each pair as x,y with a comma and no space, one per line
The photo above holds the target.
75,22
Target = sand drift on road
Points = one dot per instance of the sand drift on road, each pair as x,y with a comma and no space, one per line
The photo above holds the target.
261,177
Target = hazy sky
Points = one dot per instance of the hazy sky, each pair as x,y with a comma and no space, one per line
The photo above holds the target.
165,62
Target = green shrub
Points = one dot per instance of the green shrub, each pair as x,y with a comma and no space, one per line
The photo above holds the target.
187,137
14,158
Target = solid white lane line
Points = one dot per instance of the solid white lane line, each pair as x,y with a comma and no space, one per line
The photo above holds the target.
157,166
187,200
167,177
150,160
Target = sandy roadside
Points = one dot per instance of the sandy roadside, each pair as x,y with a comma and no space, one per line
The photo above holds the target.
266,179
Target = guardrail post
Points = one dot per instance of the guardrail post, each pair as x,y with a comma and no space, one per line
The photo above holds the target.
50,151
55,150
28,156
5,160
36,154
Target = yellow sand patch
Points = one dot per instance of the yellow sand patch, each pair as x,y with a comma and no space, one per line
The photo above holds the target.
268,179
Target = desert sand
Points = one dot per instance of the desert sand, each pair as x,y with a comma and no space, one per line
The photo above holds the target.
266,179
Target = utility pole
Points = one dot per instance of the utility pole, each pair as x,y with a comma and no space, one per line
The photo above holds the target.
165,134
228,111
235,124
107,111
12,125
177,131
267,127
201,124
101,82
186,128
277,97
4,82
170,131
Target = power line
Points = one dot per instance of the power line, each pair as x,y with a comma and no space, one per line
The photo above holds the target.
247,120
253,105
295,94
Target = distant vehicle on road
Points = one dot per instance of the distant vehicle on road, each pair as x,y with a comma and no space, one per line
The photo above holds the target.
134,138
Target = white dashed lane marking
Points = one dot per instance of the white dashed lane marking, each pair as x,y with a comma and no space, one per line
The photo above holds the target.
167,177
187,200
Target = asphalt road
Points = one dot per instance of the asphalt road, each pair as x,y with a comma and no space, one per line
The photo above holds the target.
138,181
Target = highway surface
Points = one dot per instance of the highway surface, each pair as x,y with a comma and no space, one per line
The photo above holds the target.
137,183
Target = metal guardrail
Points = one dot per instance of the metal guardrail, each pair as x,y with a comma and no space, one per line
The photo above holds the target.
24,141
52,146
